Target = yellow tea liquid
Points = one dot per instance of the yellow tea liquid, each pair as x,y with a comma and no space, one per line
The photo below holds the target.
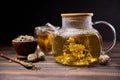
79,50
45,42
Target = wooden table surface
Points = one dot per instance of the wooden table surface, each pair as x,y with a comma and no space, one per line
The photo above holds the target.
50,70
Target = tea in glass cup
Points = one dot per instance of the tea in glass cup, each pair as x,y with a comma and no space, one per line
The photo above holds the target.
44,39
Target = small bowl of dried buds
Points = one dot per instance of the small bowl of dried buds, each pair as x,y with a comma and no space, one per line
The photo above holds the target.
24,45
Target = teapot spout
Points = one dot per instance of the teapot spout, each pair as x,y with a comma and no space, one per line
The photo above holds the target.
53,29
51,26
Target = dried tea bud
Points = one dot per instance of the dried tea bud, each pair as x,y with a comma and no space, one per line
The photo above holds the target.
104,59
32,57
25,38
41,56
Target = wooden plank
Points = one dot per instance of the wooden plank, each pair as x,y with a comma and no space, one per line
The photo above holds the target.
60,73
65,77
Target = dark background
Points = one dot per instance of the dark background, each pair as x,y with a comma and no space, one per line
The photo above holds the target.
20,18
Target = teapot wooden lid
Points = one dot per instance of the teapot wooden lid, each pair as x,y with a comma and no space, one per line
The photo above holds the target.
76,14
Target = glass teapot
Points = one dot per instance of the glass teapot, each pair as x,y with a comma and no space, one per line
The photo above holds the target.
77,43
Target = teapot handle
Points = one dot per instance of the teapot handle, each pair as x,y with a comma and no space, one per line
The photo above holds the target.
114,34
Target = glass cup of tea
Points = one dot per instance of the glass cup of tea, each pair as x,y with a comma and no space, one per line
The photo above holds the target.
44,39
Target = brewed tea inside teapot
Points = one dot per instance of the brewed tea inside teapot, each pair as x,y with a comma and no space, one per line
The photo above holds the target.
77,43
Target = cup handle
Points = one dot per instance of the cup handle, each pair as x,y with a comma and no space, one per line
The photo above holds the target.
114,35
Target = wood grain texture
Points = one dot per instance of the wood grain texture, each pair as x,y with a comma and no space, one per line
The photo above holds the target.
50,70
